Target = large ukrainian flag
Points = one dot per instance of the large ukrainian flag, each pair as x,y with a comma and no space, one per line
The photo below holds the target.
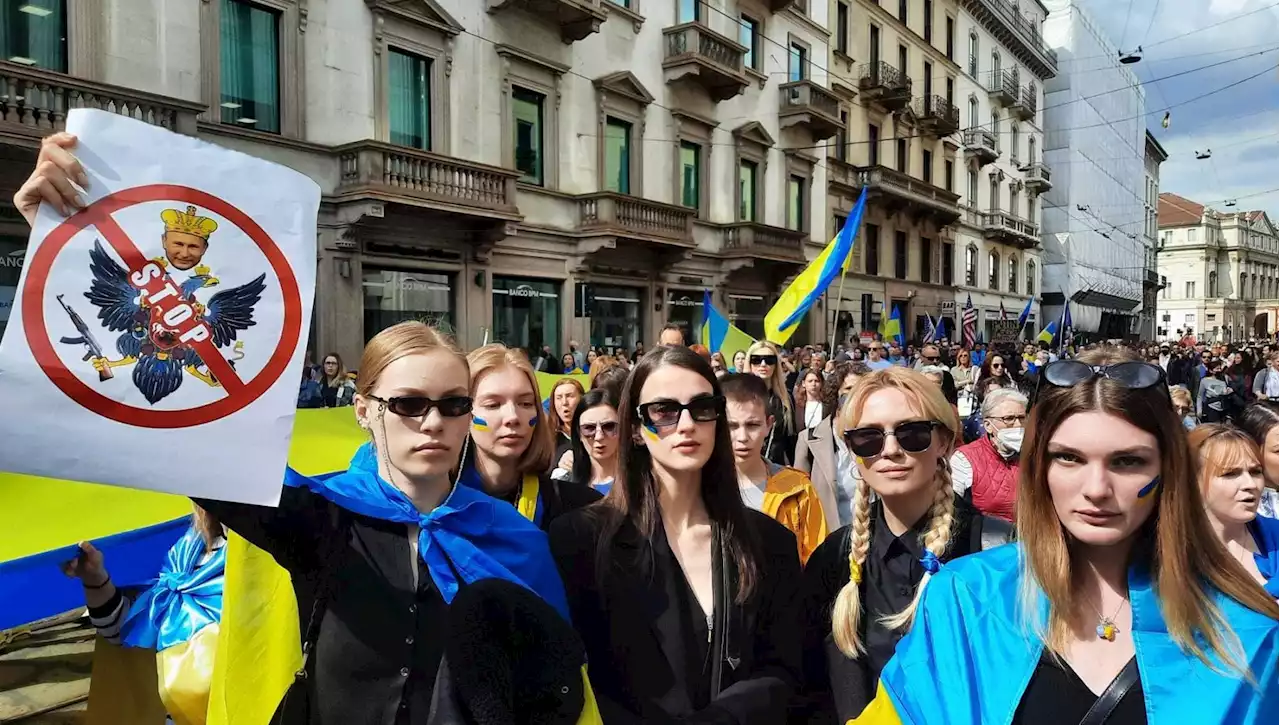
720,335
799,296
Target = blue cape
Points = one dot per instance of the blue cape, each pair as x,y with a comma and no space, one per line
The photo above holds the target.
969,656
1266,534
483,537
183,600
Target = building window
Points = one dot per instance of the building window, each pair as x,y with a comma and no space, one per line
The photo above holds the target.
688,11
900,255
948,175
971,266
394,296
873,250
1031,150
747,174
951,38
1013,141
995,129
973,54
690,174
926,259
526,313
1239,290
842,27
973,113
995,69
1191,234
409,86
796,202
873,145
1013,273
993,270
995,194
749,35
901,159
928,21
1190,290
973,188
798,61
902,11
948,263
1031,278
926,163
617,155
927,73
527,111
903,64
1164,287
1213,284
34,33
873,43
249,55
617,316
842,137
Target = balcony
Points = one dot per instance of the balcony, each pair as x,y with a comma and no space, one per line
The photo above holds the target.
884,85
760,241
1013,30
377,171
1151,278
620,215
936,116
809,104
1025,107
1006,228
896,191
1037,177
1002,87
699,55
576,18
981,145
34,103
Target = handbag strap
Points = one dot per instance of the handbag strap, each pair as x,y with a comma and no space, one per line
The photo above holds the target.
1111,697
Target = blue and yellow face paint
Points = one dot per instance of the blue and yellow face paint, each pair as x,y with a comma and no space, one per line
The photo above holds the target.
478,423
649,431
1148,489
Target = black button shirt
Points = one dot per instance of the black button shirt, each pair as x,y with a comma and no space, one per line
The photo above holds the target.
889,578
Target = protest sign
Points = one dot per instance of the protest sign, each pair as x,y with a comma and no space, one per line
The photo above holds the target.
1004,332
157,335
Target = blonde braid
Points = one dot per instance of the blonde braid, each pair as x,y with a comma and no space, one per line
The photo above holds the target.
936,540
847,612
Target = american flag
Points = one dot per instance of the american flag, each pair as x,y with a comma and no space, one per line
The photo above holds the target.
969,322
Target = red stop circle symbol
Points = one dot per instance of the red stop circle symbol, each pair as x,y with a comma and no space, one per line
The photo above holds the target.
237,392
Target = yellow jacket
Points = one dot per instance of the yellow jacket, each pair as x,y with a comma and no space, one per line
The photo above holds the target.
791,499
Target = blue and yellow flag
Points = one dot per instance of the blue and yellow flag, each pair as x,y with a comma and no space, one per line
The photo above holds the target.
1049,333
799,296
720,335
891,326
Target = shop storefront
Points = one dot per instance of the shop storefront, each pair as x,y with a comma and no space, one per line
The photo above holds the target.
617,316
526,313
12,253
747,313
684,308
392,296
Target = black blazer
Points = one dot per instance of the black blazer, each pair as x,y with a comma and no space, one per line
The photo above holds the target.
562,497
836,688
632,631
381,637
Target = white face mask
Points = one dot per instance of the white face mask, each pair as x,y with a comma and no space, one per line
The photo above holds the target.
1009,441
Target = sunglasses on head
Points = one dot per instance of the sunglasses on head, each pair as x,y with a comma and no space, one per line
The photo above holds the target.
1132,375
416,406
666,413
608,428
913,437
930,358
764,359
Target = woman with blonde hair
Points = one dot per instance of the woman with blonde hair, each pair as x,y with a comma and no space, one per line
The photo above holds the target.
1117,606
512,441
901,431
600,365
1231,482
564,398
764,362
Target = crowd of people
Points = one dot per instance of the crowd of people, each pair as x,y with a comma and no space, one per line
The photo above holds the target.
895,534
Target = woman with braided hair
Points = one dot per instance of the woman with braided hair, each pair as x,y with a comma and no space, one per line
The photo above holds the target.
862,586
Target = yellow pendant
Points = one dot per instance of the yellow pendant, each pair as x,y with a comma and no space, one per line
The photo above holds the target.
1107,631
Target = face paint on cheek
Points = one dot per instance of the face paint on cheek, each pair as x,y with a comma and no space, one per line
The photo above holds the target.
859,460
1148,489
650,432
479,423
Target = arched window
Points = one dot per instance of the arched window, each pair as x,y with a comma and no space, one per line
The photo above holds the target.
973,113
995,69
1031,149
995,128
971,265
973,53
1240,289
1013,273
1213,284
1013,142
1031,278
993,271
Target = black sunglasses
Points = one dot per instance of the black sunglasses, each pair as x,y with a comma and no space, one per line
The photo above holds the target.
666,413
764,359
913,437
416,406
609,428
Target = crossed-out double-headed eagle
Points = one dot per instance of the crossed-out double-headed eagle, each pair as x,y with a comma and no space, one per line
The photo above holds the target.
150,340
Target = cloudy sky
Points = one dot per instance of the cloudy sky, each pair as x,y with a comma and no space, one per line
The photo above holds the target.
1239,124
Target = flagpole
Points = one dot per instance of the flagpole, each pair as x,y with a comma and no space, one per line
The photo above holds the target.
844,270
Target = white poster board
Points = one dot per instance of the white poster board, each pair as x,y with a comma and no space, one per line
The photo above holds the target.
156,339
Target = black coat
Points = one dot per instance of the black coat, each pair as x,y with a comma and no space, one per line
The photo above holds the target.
636,637
836,688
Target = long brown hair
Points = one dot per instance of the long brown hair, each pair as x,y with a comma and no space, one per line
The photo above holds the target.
487,358
1186,558
634,496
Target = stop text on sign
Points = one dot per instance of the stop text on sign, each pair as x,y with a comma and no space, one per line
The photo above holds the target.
171,309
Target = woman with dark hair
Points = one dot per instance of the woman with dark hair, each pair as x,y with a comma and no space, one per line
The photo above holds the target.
595,441
1262,424
683,595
